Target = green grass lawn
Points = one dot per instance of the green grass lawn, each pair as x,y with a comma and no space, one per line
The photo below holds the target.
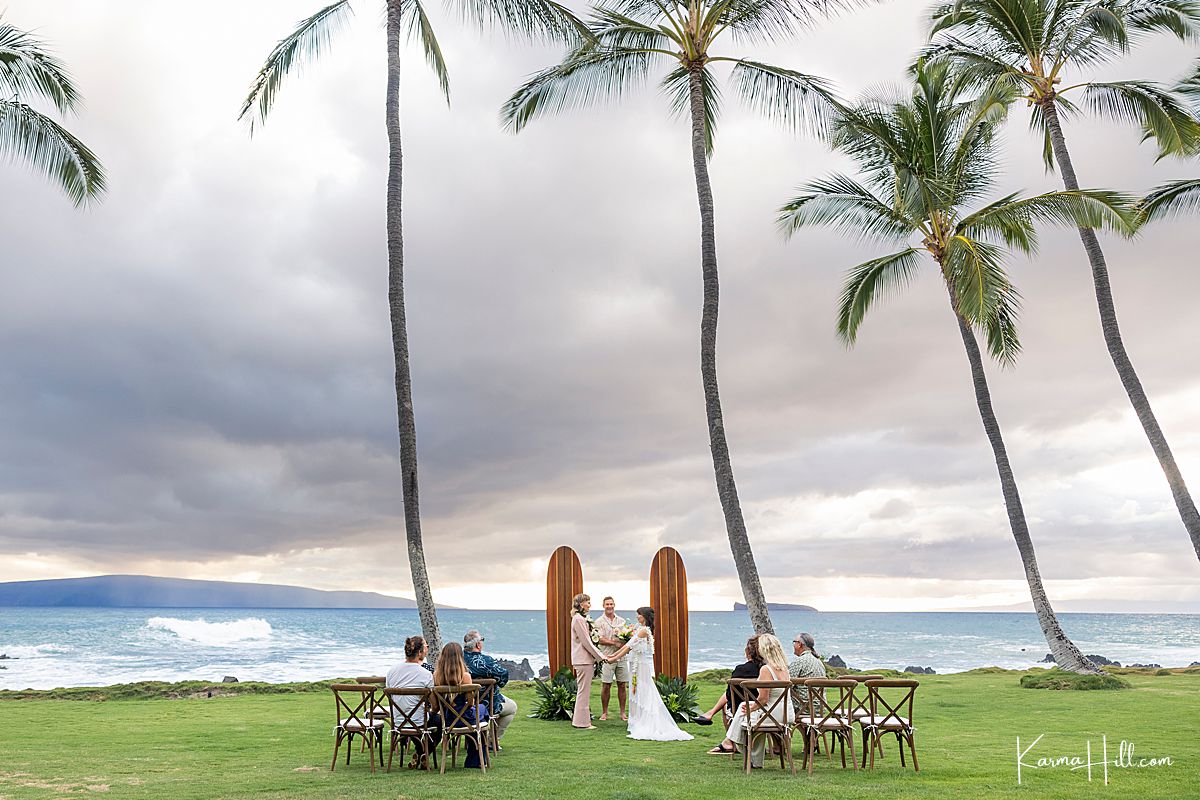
279,745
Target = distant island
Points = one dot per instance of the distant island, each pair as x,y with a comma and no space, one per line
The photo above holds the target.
144,591
777,607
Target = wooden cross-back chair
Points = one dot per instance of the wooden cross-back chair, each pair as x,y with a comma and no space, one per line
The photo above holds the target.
891,712
354,703
773,721
413,724
380,710
487,694
827,712
861,707
731,700
456,722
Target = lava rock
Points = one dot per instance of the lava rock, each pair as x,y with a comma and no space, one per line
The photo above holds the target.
229,679
835,661
6,657
544,673
1194,664
1049,659
1146,666
517,672
919,670
1102,661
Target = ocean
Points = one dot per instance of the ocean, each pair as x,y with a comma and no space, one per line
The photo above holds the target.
52,647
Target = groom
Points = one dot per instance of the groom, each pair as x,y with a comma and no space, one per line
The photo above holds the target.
584,656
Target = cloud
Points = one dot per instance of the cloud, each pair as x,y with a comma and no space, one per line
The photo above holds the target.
197,374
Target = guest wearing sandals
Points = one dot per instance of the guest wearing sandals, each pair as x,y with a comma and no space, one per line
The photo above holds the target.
411,674
774,668
750,669
451,670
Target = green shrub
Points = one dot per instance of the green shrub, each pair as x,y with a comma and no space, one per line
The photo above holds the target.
1163,672
556,697
679,697
1057,679
710,676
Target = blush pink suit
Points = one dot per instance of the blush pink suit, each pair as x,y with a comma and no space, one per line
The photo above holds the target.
584,656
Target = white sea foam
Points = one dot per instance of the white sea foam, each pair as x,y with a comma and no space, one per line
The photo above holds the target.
214,634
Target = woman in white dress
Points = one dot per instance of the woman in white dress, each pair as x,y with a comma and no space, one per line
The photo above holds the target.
648,716
774,668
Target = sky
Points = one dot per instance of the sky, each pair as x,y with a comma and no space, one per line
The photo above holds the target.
196,373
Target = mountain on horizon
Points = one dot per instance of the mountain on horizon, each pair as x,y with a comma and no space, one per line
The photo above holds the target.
145,591
777,607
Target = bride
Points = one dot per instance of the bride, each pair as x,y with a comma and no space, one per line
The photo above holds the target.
648,717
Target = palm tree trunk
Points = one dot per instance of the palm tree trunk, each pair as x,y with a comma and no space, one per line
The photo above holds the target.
404,405
735,525
1063,649
1116,347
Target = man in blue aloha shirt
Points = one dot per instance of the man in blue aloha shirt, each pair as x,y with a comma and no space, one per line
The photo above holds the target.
504,709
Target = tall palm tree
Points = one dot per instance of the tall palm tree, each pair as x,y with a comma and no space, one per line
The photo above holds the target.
1031,45
29,73
925,160
628,39
1176,197
310,39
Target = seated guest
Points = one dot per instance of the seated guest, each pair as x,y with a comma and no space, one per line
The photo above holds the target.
451,670
504,709
411,674
765,701
806,664
748,670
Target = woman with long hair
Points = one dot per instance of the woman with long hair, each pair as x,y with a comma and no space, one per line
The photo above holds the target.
774,668
451,670
648,715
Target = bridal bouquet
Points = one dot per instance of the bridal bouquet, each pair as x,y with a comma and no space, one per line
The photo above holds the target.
625,632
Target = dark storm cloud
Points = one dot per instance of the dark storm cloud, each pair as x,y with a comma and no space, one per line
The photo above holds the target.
198,369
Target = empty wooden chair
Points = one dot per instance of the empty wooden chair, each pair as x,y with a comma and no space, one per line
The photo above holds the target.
354,702
772,722
827,712
458,708
410,722
860,708
891,705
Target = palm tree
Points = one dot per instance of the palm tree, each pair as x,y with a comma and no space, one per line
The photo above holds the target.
1172,198
1029,45
628,38
29,73
310,39
925,159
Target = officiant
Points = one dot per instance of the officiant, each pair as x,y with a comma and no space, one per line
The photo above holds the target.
584,656
609,627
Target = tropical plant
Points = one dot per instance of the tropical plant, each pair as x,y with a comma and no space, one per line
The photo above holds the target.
555,697
310,39
680,697
926,159
29,74
1030,45
628,38
1169,199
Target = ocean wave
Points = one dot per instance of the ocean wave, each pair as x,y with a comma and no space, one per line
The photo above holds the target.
214,634
35,650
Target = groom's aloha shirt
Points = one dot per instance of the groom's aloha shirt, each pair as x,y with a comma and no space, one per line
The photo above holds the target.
608,630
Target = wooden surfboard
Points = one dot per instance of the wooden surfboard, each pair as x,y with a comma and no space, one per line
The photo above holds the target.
668,598
564,580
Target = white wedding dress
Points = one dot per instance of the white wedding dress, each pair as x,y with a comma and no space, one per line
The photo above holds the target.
648,717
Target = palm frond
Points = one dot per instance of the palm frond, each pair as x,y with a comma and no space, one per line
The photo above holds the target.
307,42
869,282
845,204
769,20
1160,114
534,19
983,294
28,71
1170,199
26,135
419,27
677,85
1179,18
584,76
799,101
1189,86
1011,219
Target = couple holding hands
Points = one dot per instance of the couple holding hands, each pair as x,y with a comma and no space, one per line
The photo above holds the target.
648,716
